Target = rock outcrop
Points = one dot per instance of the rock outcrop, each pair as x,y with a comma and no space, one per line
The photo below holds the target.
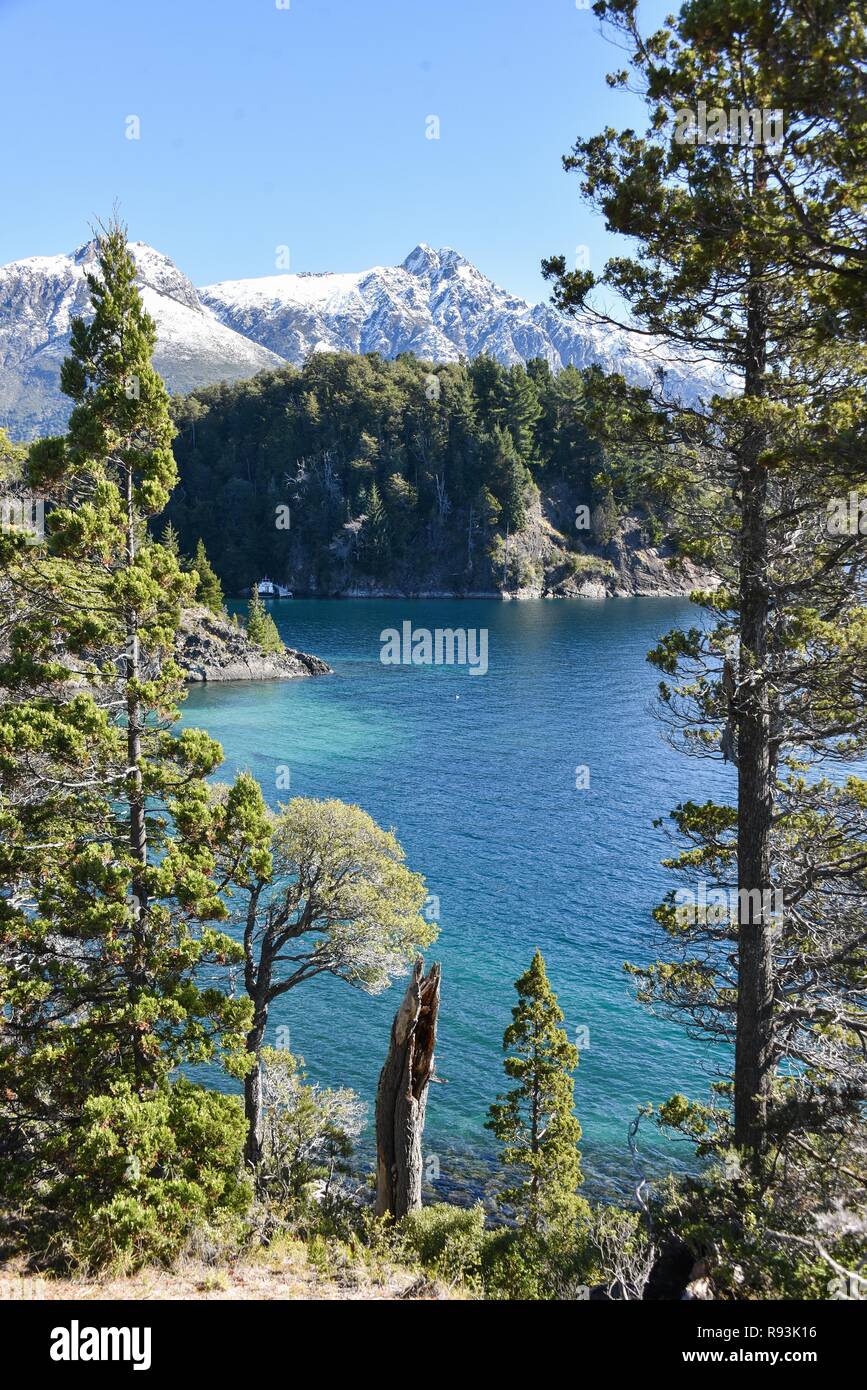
211,648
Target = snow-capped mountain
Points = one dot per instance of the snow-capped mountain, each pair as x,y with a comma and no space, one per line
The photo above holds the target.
40,296
436,305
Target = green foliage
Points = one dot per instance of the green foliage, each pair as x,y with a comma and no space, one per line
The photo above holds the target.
604,519
527,1264
141,1175
335,884
535,1121
447,1241
453,1246
111,962
209,590
317,888
261,627
769,288
377,529
12,458
388,471
308,1132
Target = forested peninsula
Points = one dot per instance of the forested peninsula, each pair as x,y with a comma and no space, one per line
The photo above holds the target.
358,476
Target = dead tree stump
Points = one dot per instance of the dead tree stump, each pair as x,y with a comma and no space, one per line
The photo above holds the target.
401,1096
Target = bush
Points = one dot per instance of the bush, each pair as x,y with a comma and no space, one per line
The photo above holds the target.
578,563
513,1266
759,1238
446,1240
143,1174
451,1244
521,1265
308,1131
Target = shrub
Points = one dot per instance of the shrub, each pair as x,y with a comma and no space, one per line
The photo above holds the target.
308,1131
446,1240
519,1264
143,1174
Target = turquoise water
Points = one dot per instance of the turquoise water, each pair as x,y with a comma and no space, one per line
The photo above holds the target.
476,774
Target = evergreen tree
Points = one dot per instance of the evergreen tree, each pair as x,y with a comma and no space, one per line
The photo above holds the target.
522,411
727,270
535,1120
170,541
605,519
107,864
261,627
377,530
209,590
509,479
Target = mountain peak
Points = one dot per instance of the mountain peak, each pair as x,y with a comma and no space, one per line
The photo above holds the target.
40,298
437,305
424,261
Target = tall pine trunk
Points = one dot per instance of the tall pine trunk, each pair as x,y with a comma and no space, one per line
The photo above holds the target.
753,1043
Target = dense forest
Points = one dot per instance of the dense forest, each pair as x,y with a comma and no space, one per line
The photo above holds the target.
400,473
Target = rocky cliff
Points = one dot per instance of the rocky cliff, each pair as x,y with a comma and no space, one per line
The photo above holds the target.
213,649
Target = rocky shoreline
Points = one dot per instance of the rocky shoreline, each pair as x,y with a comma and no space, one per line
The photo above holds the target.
211,648
539,562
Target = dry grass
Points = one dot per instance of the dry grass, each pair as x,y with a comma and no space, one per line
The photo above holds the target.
284,1273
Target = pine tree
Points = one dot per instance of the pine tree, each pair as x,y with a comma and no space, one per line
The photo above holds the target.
108,827
605,519
170,541
261,627
209,590
734,265
509,479
535,1121
377,531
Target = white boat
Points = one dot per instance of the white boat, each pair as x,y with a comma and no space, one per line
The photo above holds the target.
266,588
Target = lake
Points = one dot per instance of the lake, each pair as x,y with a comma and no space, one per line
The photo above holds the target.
477,776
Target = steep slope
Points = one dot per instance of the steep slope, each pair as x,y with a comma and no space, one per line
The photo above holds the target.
437,305
40,296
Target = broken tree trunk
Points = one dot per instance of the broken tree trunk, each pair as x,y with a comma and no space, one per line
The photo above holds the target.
401,1096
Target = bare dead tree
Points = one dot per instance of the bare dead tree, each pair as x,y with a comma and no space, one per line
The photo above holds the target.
401,1097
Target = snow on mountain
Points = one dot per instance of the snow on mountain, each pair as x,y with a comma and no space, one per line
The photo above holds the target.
436,305
40,296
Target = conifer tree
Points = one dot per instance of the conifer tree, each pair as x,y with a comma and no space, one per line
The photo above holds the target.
170,541
535,1121
377,531
522,411
109,880
261,627
510,479
209,590
729,223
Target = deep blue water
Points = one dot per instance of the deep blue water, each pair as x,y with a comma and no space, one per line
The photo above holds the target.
476,774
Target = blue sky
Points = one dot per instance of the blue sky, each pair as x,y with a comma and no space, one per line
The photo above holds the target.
305,127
